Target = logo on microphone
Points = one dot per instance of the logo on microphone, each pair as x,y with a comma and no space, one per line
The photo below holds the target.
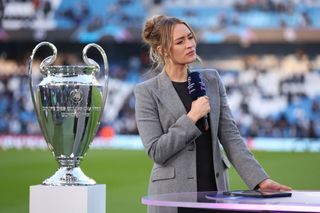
196,86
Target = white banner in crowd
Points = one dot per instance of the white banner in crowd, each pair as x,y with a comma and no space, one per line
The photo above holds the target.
133,142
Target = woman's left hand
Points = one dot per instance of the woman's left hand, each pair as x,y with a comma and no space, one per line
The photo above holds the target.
269,184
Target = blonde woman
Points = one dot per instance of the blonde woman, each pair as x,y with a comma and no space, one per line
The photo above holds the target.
186,156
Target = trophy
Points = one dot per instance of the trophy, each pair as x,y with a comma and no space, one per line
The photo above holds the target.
69,102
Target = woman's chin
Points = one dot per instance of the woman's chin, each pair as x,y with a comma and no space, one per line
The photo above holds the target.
191,60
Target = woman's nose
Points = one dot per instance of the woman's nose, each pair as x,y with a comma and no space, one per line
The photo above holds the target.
190,43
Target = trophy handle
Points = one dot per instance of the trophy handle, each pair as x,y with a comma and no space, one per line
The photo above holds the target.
46,62
91,62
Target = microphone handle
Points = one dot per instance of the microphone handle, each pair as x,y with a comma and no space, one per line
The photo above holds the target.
206,123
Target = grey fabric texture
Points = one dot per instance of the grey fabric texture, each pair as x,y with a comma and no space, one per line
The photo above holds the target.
168,136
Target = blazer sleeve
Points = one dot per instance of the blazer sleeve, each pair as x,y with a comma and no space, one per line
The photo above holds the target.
161,145
244,162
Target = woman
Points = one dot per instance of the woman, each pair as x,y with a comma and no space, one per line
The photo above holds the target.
186,156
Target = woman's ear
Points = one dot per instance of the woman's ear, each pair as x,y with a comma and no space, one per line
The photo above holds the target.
159,50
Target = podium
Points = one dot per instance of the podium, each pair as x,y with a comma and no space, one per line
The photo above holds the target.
67,199
301,201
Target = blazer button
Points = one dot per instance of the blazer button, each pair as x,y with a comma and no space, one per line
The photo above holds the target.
217,174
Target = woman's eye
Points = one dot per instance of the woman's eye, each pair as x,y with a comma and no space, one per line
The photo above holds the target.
190,37
179,42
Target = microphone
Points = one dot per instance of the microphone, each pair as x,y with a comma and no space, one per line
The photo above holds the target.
197,89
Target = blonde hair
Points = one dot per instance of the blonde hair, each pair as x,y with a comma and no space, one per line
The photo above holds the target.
157,32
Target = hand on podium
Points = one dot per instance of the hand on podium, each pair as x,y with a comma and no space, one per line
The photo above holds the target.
269,184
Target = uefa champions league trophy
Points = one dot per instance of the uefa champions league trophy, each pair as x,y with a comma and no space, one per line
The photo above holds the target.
69,102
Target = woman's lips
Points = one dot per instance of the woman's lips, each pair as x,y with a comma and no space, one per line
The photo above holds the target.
191,53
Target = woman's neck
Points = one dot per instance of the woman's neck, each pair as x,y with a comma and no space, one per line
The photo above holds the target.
177,73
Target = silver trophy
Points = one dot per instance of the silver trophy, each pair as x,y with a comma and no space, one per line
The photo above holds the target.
69,102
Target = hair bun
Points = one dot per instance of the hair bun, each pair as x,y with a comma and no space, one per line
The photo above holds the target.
150,26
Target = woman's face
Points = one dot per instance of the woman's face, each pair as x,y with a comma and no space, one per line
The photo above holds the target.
183,47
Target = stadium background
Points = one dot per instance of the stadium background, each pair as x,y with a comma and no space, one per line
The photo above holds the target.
267,52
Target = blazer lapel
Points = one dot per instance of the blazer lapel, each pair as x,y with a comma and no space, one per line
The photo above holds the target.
212,92
168,95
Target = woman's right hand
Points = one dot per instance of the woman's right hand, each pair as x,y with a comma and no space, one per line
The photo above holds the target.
199,108
269,184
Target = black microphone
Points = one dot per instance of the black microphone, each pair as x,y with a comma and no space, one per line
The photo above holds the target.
197,89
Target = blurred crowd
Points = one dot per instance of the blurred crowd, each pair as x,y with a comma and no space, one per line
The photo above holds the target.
122,20
235,20
270,95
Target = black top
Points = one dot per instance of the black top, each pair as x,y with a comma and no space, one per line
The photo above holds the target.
205,170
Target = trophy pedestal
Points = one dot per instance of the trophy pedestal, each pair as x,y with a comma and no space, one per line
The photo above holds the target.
67,199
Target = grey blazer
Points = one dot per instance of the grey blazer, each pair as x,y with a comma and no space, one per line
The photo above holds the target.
168,136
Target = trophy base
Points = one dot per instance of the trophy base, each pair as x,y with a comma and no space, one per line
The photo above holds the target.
67,176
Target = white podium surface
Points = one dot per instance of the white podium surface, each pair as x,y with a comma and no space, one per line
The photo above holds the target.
67,199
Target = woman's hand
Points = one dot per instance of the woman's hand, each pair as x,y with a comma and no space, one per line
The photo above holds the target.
269,184
199,108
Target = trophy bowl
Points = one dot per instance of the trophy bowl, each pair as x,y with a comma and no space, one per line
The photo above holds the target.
69,103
